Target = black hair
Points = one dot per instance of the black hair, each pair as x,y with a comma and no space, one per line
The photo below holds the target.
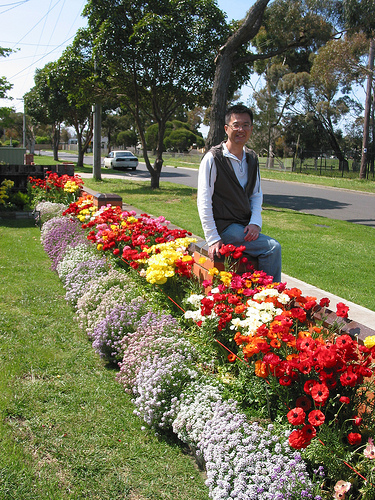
238,109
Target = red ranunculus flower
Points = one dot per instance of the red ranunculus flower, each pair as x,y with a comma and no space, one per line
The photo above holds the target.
345,400
344,342
320,393
348,378
303,402
309,304
354,438
306,344
298,439
327,356
308,385
309,431
296,416
316,418
357,420
342,310
286,380
324,302
298,313
271,359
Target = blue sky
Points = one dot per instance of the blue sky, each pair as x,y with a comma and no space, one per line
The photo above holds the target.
39,30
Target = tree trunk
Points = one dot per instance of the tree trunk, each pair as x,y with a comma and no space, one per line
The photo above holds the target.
219,100
56,141
224,63
366,125
80,148
155,174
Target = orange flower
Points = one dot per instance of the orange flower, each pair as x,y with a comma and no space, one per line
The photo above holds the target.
261,369
275,343
292,356
232,357
303,334
240,309
293,292
252,347
241,339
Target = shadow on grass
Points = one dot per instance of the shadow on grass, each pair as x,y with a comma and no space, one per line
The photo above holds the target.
16,222
139,188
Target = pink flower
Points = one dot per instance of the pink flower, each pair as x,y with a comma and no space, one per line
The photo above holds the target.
341,487
369,451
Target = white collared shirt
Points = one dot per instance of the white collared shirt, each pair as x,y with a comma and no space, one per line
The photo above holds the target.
206,182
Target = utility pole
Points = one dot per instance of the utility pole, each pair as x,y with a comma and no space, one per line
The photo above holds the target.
97,139
366,125
97,142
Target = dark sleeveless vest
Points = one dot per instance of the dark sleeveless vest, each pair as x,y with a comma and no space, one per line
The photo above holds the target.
230,201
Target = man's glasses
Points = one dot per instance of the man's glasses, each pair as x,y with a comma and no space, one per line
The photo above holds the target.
237,126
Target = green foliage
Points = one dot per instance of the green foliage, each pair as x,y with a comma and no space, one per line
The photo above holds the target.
156,57
14,143
127,138
42,139
359,15
182,139
177,136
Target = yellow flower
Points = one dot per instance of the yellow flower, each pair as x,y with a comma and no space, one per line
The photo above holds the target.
369,341
71,187
226,277
187,258
99,247
202,260
213,271
131,219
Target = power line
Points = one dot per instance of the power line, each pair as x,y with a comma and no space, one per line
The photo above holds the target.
42,57
36,24
12,5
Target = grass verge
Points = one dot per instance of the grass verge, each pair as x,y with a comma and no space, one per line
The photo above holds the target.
355,184
67,429
336,256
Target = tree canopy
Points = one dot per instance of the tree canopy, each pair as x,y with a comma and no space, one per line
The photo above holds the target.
155,57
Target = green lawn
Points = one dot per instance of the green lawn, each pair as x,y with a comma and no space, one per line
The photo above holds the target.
332,179
336,256
67,429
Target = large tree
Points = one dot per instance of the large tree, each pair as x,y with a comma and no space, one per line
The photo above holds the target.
285,25
5,86
327,91
156,57
76,79
46,103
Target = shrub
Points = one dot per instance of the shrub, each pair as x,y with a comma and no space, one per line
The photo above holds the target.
155,334
158,385
102,295
120,321
58,234
246,462
48,210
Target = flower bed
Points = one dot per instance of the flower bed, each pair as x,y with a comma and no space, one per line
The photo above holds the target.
274,404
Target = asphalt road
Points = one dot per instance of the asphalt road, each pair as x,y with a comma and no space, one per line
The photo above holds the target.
341,204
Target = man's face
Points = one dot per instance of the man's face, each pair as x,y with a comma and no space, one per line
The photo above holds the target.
239,128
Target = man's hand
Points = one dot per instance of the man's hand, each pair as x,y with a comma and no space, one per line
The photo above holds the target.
214,249
251,232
